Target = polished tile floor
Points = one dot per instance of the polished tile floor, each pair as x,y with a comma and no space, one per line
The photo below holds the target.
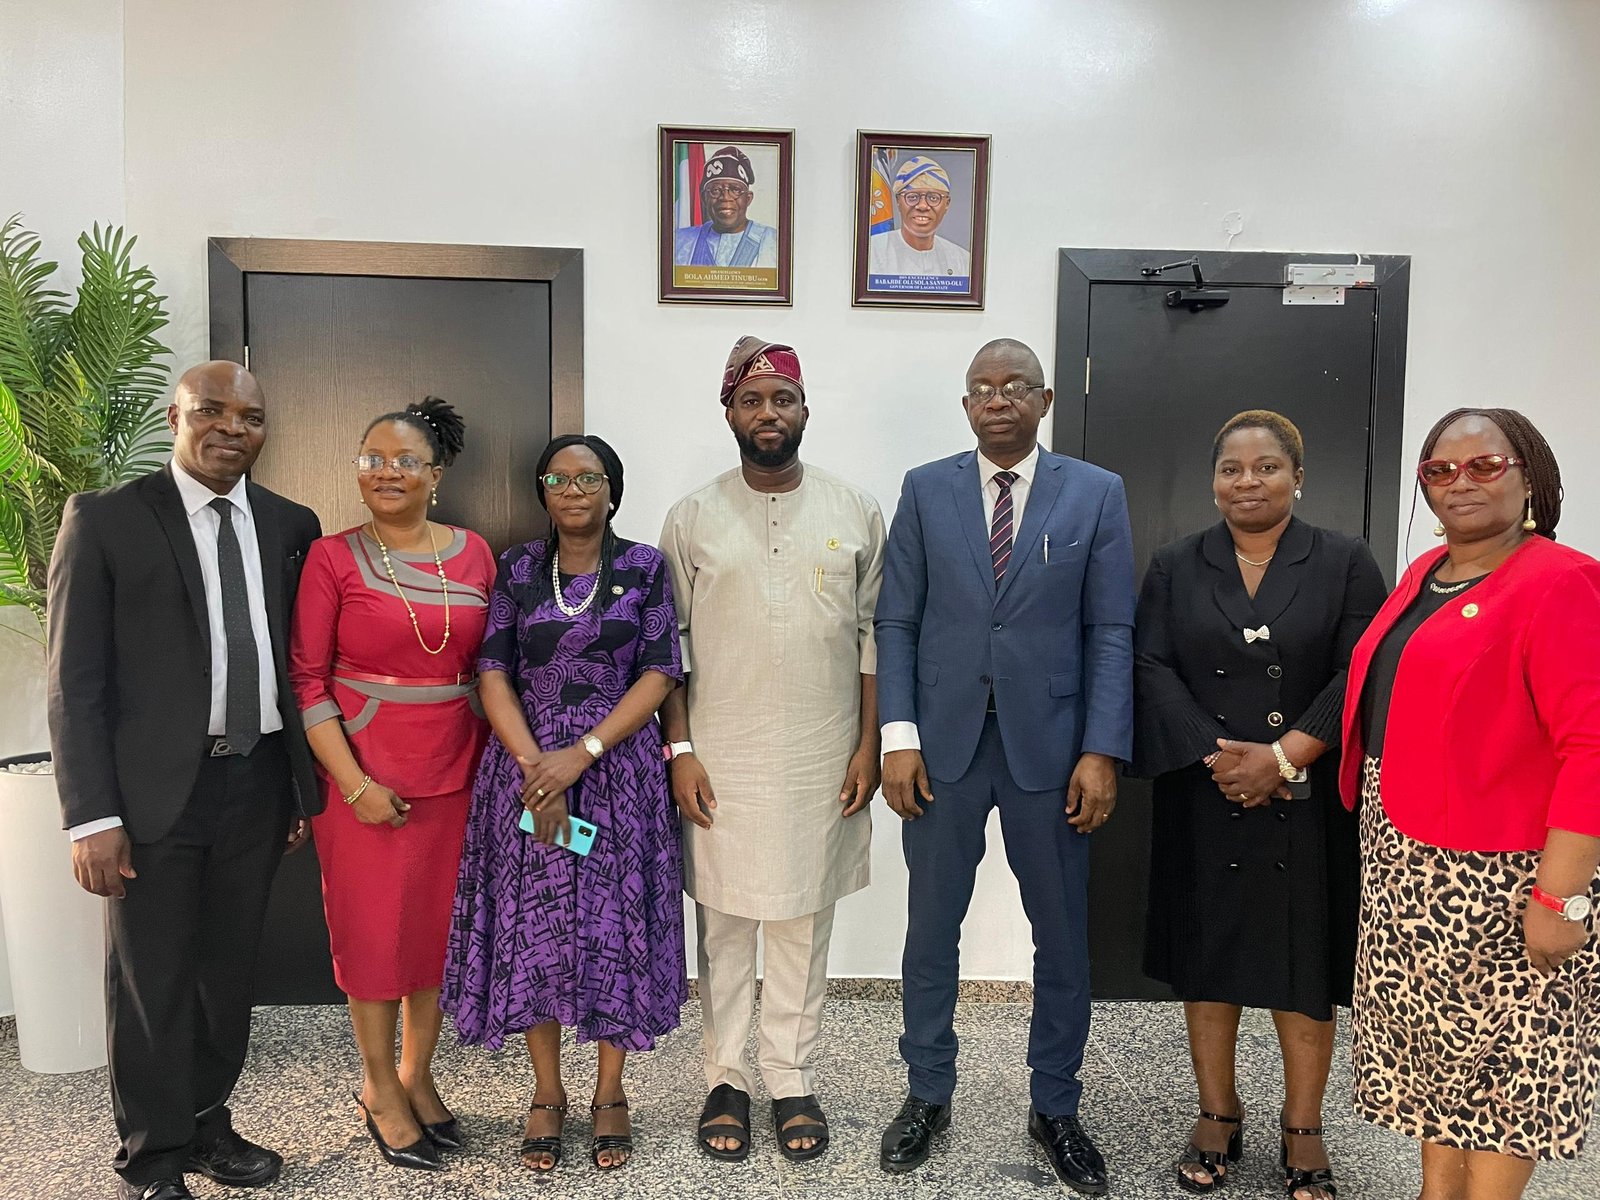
56,1135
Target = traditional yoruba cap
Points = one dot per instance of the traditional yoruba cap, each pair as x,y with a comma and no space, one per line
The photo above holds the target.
751,357
920,165
729,163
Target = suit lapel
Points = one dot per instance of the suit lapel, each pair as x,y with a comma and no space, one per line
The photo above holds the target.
969,509
1048,479
1283,575
162,495
1228,590
269,542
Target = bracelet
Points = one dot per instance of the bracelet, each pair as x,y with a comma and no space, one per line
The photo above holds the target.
356,795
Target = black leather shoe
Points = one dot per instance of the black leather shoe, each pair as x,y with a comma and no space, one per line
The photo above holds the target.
421,1155
909,1138
235,1162
161,1189
446,1135
1078,1164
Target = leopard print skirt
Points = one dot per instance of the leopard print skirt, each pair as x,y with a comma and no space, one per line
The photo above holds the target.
1457,1039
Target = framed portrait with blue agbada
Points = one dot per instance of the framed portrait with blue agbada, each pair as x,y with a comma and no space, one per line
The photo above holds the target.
922,219
725,216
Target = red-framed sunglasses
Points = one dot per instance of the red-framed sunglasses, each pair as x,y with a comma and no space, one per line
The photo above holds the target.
1485,468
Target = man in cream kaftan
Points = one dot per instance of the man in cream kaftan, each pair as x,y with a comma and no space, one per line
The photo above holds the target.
775,570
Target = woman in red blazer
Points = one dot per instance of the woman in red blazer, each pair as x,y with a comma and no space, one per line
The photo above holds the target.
1472,736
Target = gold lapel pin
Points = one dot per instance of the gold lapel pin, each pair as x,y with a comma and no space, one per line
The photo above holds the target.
616,589
1470,611
833,543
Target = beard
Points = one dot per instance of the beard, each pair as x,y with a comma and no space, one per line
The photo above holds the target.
779,456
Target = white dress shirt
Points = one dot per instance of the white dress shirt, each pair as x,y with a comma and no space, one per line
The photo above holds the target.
903,735
204,522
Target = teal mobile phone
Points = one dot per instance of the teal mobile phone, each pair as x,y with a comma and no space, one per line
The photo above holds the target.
580,833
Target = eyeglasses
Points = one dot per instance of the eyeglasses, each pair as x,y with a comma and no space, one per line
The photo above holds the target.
931,199
406,464
1016,391
588,481
1485,468
718,191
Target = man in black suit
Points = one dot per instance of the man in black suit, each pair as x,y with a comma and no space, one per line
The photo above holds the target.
182,766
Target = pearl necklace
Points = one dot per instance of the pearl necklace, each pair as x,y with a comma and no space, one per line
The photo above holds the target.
399,591
572,610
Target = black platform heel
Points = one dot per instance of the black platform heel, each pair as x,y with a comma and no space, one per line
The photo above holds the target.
1295,1178
421,1155
608,1142
1213,1162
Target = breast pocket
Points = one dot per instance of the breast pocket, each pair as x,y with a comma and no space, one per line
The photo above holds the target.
834,590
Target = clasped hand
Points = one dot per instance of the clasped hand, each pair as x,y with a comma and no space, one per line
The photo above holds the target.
1247,773
546,780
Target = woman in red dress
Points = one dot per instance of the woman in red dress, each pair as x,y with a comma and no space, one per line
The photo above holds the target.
383,656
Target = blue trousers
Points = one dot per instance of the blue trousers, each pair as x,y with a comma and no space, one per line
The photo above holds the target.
1050,860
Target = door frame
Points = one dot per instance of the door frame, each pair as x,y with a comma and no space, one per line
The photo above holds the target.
229,260
1080,268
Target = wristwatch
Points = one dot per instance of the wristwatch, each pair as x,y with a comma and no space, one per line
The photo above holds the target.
593,745
1571,908
1285,768
672,749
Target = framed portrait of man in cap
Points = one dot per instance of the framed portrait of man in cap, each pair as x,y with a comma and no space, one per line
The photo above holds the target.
726,215
922,219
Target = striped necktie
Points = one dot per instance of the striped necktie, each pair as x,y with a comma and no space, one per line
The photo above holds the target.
1000,525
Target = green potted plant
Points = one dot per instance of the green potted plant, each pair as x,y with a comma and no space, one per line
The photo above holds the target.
80,389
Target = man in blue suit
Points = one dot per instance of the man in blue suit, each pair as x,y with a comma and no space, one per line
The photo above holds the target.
1005,680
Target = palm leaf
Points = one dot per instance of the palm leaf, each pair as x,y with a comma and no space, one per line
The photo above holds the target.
115,348
15,588
33,316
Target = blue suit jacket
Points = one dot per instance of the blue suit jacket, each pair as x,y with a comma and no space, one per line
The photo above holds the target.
1054,640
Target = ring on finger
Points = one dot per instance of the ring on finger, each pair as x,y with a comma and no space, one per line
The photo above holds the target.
539,792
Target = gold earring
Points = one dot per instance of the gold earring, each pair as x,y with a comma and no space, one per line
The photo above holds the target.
1438,529
1528,522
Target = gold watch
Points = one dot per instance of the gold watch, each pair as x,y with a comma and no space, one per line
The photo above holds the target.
1286,768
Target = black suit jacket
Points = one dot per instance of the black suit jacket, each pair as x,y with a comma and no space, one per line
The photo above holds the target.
1196,678
129,659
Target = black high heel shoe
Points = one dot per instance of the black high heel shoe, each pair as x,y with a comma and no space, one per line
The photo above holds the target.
419,1156
1296,1178
445,1134
533,1149
610,1143
1213,1162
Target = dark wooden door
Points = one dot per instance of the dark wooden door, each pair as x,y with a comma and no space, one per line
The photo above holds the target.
1159,382
334,351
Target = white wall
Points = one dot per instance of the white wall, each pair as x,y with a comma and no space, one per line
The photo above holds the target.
1463,132
61,150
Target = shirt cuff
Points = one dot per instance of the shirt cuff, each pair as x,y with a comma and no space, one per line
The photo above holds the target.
901,735
79,832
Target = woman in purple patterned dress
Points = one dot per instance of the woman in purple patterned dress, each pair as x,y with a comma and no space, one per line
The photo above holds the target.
581,648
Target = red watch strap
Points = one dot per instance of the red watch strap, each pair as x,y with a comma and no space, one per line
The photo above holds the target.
1554,903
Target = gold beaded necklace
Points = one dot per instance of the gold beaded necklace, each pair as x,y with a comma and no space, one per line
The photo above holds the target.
444,583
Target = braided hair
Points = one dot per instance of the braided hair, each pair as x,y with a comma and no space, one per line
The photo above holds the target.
1278,425
1539,465
612,465
438,422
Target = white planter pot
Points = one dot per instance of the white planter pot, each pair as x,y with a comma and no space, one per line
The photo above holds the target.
22,723
55,939
8,1006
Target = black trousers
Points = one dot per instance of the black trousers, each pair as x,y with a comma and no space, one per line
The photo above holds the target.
181,960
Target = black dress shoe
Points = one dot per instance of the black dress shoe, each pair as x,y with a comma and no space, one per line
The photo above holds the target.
446,1135
1076,1161
421,1155
161,1189
235,1162
910,1135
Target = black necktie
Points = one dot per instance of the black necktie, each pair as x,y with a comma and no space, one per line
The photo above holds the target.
242,724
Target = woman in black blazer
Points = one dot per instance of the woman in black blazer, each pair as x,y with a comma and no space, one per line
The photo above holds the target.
1243,637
